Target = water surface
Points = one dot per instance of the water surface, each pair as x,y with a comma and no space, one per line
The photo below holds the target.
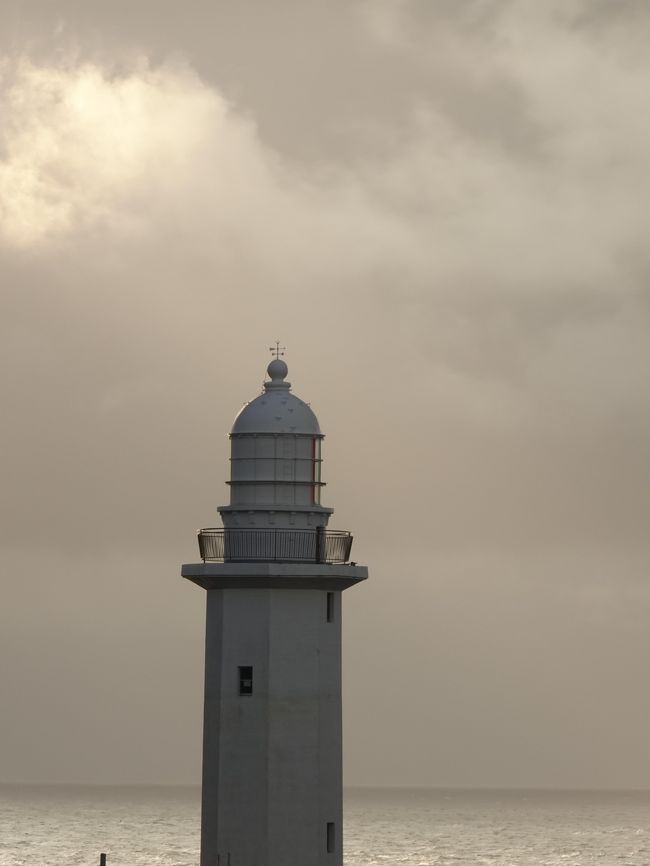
58,826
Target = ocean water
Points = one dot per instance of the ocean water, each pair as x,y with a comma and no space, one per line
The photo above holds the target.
58,826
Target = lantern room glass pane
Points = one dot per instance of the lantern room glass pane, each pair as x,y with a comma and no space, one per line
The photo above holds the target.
316,475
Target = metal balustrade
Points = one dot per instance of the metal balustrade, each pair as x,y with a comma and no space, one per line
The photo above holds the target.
275,545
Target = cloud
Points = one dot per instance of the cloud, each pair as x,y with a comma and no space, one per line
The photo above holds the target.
513,282
79,142
466,303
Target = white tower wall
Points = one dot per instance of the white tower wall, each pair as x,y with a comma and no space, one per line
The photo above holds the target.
272,759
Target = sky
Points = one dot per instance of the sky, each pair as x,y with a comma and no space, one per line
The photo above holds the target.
440,208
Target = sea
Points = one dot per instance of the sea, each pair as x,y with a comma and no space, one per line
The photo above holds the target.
58,826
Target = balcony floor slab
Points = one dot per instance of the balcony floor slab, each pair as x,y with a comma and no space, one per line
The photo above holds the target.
273,575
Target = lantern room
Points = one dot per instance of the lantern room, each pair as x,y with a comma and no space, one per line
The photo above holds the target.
275,462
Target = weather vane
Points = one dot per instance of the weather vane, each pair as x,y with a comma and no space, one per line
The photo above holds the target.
277,350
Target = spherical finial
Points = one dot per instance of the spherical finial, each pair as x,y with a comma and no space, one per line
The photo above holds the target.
277,370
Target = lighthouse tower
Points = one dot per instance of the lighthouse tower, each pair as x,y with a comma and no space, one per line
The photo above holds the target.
274,574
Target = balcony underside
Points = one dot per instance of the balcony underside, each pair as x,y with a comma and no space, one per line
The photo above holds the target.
274,575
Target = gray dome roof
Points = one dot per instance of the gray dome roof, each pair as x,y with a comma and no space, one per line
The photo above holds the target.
277,410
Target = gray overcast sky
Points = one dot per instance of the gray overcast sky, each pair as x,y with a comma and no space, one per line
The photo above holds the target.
441,208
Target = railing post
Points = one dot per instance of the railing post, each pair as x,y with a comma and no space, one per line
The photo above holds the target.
320,544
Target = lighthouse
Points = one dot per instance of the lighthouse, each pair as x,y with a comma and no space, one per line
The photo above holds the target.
274,575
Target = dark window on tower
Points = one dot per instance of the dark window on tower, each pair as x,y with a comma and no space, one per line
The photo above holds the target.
330,607
330,837
246,680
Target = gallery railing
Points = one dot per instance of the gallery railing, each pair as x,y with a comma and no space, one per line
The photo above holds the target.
275,545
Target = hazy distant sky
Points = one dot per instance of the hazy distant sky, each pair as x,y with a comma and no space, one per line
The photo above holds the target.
442,209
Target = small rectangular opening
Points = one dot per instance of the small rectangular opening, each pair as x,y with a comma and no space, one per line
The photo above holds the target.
330,607
330,837
246,680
